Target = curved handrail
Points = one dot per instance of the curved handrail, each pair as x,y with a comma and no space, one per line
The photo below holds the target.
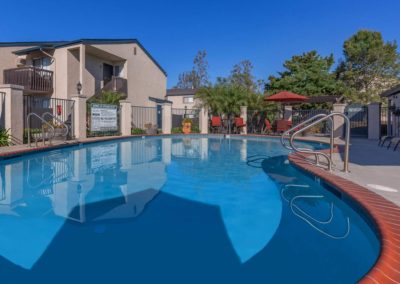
59,120
44,121
328,158
287,132
307,217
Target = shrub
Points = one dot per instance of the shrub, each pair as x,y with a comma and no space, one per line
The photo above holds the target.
137,131
195,129
176,130
4,138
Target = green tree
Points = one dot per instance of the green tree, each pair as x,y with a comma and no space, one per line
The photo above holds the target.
369,67
308,74
222,98
198,76
108,97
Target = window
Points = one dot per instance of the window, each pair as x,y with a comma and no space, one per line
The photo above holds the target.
117,71
42,63
134,50
188,100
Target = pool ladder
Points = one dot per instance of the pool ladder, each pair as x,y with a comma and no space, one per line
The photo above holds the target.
307,124
44,135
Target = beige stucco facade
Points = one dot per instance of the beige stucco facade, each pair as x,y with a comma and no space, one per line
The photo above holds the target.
83,61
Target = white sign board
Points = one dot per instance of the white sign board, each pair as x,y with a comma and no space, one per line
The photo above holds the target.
104,118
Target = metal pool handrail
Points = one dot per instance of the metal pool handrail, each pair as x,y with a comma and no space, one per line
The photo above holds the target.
317,153
308,217
43,122
287,132
59,120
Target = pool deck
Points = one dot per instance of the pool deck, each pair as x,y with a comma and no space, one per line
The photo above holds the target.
372,165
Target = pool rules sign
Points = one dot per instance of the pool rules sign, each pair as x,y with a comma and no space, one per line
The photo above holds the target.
104,118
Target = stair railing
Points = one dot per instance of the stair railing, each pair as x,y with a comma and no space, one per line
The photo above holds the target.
298,126
318,153
44,122
58,120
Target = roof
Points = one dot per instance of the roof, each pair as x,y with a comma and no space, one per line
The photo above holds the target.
391,92
159,101
37,45
29,43
181,92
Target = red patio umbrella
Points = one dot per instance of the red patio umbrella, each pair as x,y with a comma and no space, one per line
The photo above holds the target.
286,96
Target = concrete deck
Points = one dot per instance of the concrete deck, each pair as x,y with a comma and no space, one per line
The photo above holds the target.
374,167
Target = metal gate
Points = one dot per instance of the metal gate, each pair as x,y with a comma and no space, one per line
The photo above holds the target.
61,112
358,115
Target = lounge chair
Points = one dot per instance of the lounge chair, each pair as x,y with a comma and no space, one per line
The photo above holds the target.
239,124
395,141
282,125
216,124
384,139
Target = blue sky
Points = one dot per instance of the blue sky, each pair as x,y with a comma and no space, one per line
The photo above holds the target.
266,32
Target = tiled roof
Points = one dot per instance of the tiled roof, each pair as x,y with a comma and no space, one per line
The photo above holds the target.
181,92
391,92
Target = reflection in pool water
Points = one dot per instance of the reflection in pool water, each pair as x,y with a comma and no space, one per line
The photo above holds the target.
208,205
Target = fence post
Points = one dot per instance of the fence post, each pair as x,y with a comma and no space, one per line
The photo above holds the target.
125,117
80,119
243,115
374,121
13,110
203,120
166,110
338,121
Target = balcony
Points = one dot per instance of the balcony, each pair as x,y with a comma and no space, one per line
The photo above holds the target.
34,80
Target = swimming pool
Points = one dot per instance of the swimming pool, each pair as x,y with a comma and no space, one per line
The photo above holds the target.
176,209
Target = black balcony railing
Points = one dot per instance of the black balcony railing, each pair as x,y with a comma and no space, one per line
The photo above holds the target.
34,80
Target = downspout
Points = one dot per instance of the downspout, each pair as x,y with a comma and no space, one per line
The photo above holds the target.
55,70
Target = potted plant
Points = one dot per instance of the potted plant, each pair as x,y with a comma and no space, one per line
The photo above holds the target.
186,125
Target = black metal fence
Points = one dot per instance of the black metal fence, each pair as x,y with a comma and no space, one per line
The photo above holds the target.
383,121
146,119
358,116
301,115
256,120
53,110
179,114
393,121
103,120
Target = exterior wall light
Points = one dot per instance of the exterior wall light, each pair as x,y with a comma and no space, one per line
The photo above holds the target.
79,87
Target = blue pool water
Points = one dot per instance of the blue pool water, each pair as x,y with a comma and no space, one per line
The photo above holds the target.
176,210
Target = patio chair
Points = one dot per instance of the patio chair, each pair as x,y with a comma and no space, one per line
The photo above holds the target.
238,124
384,139
282,125
216,124
267,127
395,141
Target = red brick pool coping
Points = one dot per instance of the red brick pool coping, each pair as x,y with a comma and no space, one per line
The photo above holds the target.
385,215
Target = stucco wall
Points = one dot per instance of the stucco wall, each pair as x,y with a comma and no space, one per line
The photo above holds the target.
145,79
8,60
72,71
177,102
